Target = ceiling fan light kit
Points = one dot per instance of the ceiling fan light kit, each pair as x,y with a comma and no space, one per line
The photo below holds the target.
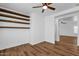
44,7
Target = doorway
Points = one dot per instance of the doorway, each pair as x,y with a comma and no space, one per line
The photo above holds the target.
68,30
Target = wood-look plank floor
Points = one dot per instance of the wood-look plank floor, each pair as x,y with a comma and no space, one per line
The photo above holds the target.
65,47
41,49
68,39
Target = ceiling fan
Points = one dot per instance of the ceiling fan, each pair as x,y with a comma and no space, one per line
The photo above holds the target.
45,6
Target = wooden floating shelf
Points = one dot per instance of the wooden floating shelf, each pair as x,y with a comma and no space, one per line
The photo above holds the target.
13,12
10,16
15,27
13,21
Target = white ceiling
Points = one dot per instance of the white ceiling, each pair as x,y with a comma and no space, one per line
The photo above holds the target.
26,8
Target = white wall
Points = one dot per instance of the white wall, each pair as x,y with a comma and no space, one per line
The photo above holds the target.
67,29
37,28
50,29
13,37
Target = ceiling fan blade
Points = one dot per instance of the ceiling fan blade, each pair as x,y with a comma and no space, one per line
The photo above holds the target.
37,7
49,3
51,8
43,10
